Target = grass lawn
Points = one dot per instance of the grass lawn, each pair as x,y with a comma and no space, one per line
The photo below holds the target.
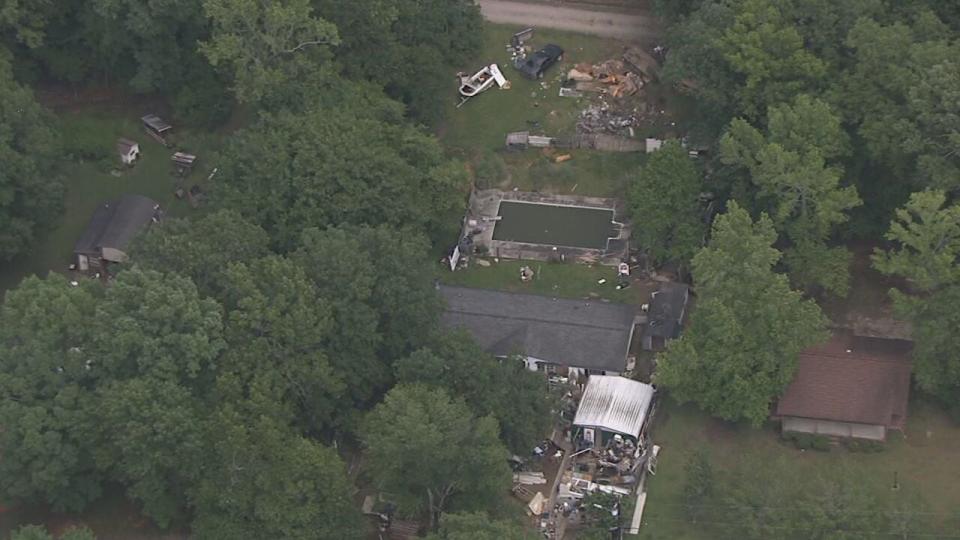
477,130
90,184
566,280
924,460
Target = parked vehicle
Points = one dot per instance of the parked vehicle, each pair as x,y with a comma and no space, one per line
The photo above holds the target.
534,65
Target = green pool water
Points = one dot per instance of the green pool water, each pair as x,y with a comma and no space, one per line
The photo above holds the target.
570,226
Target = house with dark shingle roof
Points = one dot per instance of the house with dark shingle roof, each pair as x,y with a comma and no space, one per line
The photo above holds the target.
111,228
551,334
849,387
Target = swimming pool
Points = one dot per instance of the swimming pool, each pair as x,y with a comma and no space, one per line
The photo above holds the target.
554,225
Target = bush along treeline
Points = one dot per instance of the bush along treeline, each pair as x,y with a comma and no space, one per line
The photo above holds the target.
829,122
216,376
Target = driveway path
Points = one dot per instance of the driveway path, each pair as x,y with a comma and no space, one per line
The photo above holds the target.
630,26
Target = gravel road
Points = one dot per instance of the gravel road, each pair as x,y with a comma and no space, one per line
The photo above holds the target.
630,26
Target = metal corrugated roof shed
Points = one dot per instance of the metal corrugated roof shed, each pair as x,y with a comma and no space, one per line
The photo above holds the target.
614,404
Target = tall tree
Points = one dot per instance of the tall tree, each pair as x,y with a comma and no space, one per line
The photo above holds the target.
45,381
409,47
741,349
150,439
768,54
926,251
477,526
516,397
665,206
926,242
31,195
157,325
432,453
268,47
383,302
262,481
201,248
277,331
337,166
803,193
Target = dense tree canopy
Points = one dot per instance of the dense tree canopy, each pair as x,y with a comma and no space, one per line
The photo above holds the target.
432,453
30,190
327,166
477,526
665,206
796,185
503,388
741,348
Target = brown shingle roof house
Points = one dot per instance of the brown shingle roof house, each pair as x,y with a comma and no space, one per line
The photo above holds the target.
849,387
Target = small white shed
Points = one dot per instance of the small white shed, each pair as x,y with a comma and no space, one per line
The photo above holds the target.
129,151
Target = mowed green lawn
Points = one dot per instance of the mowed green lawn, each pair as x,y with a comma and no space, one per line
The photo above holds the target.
924,461
480,126
91,184
563,280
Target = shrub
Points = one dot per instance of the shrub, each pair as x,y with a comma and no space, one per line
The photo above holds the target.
808,441
864,446
490,171
85,139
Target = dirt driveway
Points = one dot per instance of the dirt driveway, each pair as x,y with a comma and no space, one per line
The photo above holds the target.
630,26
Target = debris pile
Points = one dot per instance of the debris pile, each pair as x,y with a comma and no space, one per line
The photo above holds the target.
610,77
606,118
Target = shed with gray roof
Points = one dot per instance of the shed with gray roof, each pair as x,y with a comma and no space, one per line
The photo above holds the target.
587,335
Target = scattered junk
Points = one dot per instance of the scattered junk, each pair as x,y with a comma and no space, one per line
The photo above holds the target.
651,145
526,273
482,80
196,195
562,157
183,163
641,63
570,92
156,128
529,478
521,37
382,514
521,140
129,151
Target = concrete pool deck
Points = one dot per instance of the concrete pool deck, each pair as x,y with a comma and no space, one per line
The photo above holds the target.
484,213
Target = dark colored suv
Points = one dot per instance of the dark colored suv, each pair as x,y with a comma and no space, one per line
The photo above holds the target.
533,66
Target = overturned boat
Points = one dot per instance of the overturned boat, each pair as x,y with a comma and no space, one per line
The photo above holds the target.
482,80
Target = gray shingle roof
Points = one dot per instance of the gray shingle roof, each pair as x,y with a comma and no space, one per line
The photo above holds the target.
576,333
666,310
115,223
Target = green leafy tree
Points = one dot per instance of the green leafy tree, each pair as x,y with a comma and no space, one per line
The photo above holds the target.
260,480
157,325
408,47
768,54
201,248
160,37
926,242
935,104
150,439
665,205
379,286
45,380
432,453
516,397
795,183
31,195
477,526
25,21
741,348
267,46
277,331
37,532
324,167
